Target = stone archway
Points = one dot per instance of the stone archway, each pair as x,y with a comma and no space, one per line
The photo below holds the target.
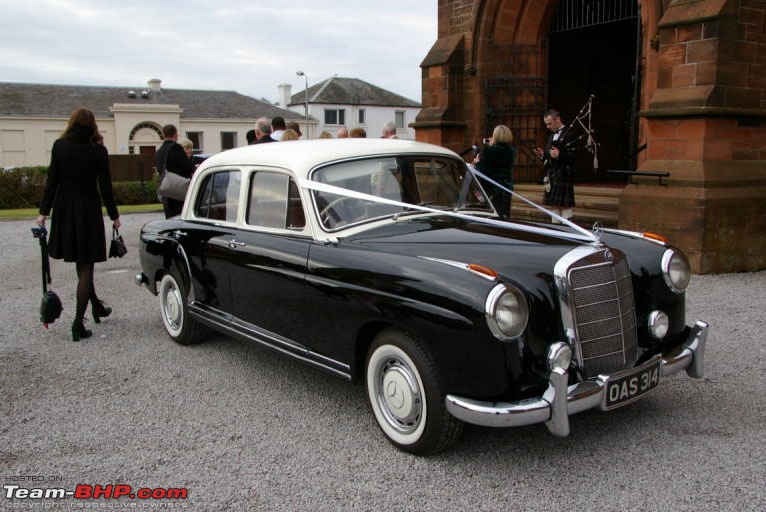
143,137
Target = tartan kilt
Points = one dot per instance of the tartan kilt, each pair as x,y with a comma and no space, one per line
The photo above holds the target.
561,194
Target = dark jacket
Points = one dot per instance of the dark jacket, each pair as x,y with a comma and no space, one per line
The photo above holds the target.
562,167
264,139
497,161
172,157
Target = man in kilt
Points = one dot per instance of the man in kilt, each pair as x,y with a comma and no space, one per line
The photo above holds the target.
558,158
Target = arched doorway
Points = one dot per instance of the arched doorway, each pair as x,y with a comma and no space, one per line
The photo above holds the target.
594,49
144,139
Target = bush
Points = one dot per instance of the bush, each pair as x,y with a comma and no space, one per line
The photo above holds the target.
135,192
22,187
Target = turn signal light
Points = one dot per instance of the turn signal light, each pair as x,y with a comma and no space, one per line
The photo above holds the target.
481,269
655,236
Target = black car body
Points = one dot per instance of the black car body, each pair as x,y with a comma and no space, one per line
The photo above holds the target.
384,261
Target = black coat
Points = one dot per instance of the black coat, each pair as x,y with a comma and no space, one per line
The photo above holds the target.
497,161
79,170
171,157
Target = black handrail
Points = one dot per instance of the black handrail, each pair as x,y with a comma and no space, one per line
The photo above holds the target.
660,175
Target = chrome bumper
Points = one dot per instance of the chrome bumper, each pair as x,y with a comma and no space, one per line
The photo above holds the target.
560,401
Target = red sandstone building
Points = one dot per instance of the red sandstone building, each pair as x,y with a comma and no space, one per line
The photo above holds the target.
679,86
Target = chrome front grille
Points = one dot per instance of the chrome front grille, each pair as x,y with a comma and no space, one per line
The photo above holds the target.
600,301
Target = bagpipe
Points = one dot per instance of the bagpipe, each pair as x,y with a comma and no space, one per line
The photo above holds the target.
584,119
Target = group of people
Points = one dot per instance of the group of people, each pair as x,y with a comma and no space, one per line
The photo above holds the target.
388,132
79,180
273,130
497,159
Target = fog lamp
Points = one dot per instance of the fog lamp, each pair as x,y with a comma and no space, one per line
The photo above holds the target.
559,356
658,324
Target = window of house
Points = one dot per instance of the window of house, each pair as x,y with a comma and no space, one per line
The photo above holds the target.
228,140
274,202
400,118
196,138
361,117
334,116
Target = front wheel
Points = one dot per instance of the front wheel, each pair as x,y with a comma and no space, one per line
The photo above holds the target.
174,311
405,395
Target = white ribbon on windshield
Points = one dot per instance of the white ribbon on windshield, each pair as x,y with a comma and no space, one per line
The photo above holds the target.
564,220
332,189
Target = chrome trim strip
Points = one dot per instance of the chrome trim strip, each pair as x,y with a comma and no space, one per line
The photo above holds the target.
558,402
291,349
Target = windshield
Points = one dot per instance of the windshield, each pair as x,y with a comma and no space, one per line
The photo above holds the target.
434,181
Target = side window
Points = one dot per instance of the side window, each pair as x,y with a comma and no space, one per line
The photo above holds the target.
274,202
219,196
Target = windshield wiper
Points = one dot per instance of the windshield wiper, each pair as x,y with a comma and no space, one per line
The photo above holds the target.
409,211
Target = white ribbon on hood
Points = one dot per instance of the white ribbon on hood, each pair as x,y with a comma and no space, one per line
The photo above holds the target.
580,235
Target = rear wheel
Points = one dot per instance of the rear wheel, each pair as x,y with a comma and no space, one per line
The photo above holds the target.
406,397
181,327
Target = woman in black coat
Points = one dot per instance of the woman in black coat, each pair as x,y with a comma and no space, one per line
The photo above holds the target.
496,161
79,170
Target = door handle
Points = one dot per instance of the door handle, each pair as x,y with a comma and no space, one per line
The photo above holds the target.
234,243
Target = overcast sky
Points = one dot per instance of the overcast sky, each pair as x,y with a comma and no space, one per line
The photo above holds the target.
249,46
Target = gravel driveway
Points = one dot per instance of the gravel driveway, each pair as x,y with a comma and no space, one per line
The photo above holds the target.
241,428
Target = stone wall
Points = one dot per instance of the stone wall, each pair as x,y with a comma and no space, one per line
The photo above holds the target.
703,103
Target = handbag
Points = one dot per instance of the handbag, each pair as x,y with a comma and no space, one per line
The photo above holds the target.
117,248
173,186
50,306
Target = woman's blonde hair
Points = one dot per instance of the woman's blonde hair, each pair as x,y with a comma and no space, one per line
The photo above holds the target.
186,143
502,135
289,134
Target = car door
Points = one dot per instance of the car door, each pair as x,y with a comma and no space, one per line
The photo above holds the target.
269,269
209,238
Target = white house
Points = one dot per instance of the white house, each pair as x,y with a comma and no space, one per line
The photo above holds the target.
32,117
352,103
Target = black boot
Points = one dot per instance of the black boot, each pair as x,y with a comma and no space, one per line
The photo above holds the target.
79,330
99,311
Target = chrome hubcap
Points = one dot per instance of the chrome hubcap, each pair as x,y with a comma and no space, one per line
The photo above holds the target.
399,396
172,306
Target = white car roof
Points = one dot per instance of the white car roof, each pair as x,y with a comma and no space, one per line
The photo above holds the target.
301,156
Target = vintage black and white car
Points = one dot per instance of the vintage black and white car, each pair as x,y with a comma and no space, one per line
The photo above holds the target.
383,261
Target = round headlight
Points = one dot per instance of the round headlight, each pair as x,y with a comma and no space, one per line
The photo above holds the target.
507,312
676,270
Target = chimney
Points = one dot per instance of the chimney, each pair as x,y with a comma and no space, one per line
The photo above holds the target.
285,93
154,85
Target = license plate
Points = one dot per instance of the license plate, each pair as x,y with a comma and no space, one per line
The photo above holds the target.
627,388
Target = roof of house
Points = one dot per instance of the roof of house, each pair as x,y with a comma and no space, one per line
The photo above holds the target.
22,99
351,91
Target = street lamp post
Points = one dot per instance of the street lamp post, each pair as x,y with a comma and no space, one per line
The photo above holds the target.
306,104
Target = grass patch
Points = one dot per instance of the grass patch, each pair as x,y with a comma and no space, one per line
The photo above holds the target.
31,213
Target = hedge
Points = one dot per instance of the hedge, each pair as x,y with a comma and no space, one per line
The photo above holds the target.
22,187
